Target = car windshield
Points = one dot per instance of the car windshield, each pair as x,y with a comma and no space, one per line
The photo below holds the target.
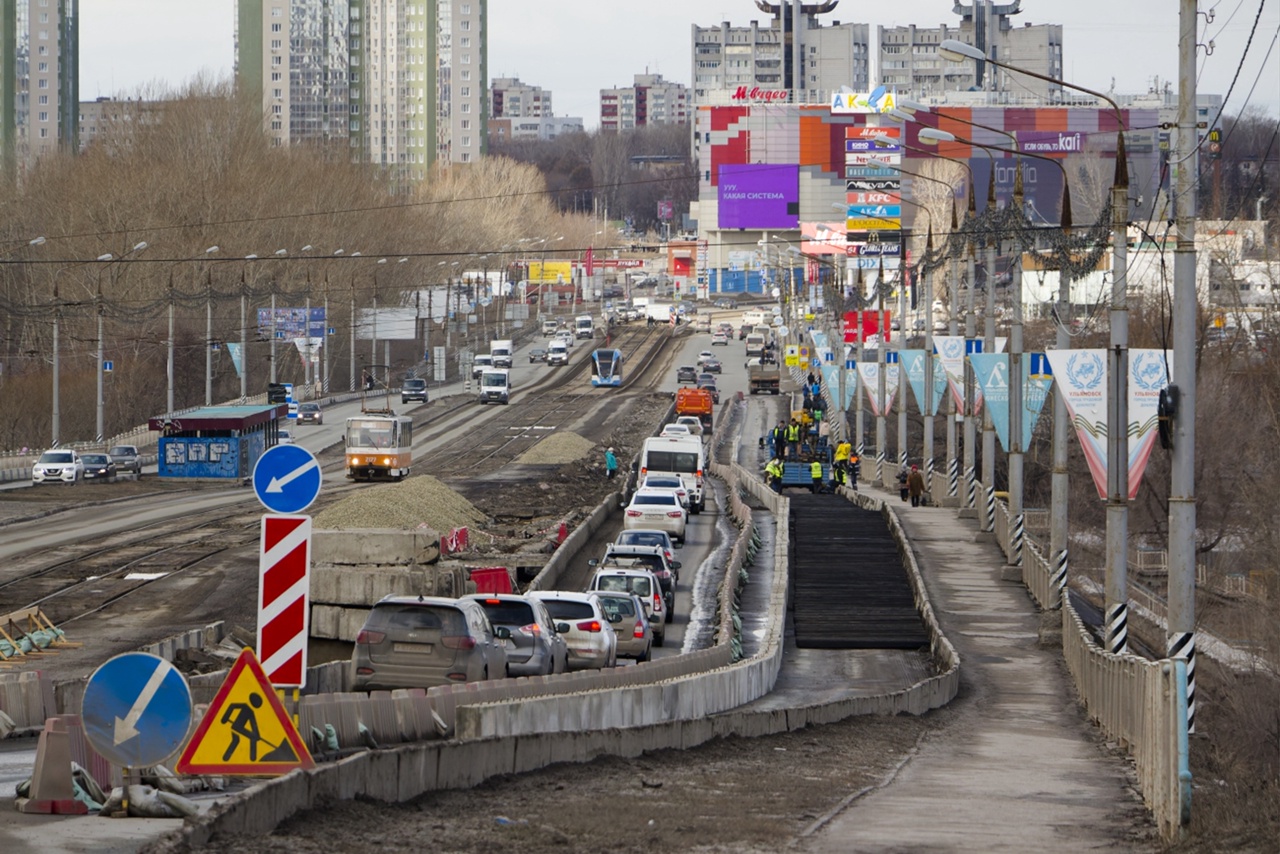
642,538
123,451
56,457
415,384
409,616
623,606
309,407
95,459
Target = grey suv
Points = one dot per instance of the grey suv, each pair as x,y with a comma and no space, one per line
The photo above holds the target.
413,389
126,458
421,642
537,646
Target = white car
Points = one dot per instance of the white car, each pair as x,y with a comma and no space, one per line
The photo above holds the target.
657,508
62,465
284,437
667,481
676,429
593,643
566,336
641,583
693,422
704,356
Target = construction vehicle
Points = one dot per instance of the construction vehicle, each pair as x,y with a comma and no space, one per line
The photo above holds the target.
697,402
763,379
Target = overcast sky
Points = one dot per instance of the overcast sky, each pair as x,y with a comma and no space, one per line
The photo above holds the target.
574,48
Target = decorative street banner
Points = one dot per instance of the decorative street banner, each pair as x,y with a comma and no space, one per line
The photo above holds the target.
915,366
831,377
1081,377
237,357
992,371
870,373
316,344
950,350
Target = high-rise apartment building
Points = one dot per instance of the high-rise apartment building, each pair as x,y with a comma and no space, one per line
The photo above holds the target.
909,60
403,81
39,80
792,58
294,56
649,101
511,99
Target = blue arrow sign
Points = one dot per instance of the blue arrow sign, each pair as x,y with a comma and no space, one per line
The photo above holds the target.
286,479
136,709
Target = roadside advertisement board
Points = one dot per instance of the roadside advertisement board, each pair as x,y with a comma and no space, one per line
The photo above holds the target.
759,195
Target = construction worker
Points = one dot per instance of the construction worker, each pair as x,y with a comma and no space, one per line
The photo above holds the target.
815,471
779,437
853,464
843,449
793,438
773,474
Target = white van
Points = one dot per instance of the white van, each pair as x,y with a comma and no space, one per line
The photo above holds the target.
557,352
479,364
495,386
549,327
752,317
502,351
685,456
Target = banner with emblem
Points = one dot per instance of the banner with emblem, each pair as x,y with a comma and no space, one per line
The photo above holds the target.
950,350
869,372
1081,376
992,373
237,356
914,360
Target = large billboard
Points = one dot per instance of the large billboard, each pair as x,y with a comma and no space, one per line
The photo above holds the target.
759,195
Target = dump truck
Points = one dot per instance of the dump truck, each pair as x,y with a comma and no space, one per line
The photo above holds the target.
763,379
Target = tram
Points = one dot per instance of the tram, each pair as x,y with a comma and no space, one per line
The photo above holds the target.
606,368
379,445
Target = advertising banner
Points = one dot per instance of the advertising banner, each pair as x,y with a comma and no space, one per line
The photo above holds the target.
873,250
875,235
860,145
876,101
759,195
875,170
858,185
291,322
870,321
872,131
888,223
237,357
875,211
823,238
545,272
892,197
1051,141
1148,374
878,158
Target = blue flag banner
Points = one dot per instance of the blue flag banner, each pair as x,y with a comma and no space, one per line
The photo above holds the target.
992,372
237,357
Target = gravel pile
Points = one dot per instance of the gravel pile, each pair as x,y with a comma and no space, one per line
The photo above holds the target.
420,500
558,448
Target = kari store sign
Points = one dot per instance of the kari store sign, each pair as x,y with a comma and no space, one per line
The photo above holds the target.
759,195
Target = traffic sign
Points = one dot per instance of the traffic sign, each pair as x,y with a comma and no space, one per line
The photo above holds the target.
284,594
107,367
286,478
136,709
246,730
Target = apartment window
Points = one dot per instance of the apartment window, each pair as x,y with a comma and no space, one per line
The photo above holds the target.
277,109
277,12
466,142
42,50
275,44
465,91
277,61
275,77
42,100
466,108
277,93
466,157
275,28
44,17
466,74
44,35
466,59
466,124
43,84
466,41
276,125
44,133
44,66
44,117
466,9
464,26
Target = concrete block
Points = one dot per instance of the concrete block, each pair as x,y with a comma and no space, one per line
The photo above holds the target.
375,546
418,771
383,775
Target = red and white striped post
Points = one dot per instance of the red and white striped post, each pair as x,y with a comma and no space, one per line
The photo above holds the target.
284,594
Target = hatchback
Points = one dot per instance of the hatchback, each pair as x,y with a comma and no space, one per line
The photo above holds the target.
711,366
413,389
703,357
536,646
98,467
641,583
720,338
657,508
686,374
593,643
421,642
59,465
284,437
693,422
634,631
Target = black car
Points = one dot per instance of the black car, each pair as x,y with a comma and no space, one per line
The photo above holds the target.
686,374
711,366
743,331
538,354
98,467
413,389
708,382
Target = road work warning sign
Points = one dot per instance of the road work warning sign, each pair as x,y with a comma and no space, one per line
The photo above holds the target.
246,730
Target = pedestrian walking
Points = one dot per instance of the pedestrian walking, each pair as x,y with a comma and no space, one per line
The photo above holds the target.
915,486
903,492
610,464
815,472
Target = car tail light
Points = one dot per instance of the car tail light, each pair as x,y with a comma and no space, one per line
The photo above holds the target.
364,671
458,642
457,677
366,636
638,631
699,473
589,626
634,513
675,514
532,629
643,470
657,601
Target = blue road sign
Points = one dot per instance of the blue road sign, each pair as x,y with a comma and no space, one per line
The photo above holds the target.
107,367
286,479
136,709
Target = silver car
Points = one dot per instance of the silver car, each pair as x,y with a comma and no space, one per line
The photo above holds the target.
593,644
537,646
421,642
635,633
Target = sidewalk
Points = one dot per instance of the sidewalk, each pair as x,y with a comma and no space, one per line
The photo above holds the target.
1022,769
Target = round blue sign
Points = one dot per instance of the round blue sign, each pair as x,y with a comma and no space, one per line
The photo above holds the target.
136,710
286,478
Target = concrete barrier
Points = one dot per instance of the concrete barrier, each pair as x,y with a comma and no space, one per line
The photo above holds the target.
375,547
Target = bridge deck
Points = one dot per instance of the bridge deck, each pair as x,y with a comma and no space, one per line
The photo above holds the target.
849,588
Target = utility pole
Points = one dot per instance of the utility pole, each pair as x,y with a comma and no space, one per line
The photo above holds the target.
859,391
169,361
902,374
352,348
953,329
927,403
244,341
1117,569
1182,500
880,372
208,339
986,516
1015,386
100,310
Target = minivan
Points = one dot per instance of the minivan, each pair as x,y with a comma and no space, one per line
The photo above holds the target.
413,389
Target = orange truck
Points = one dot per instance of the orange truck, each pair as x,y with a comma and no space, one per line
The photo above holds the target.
695,401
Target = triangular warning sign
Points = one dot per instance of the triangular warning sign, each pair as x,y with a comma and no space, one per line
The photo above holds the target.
246,730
